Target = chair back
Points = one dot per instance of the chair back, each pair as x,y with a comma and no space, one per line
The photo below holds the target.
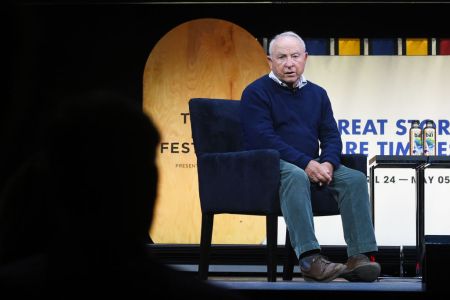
217,122
231,180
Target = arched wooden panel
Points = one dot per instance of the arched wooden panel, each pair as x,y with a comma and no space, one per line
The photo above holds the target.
208,58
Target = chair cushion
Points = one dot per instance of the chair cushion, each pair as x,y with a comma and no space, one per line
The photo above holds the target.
244,182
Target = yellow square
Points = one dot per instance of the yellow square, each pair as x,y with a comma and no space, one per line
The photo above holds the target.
349,47
416,46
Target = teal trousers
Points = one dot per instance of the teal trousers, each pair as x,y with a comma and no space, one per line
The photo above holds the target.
350,188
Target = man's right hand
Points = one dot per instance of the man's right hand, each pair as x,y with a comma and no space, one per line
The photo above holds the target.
317,173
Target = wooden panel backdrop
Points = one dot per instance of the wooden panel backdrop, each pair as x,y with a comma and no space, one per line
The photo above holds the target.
201,58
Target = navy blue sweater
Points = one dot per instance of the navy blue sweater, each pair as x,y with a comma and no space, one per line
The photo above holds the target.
292,121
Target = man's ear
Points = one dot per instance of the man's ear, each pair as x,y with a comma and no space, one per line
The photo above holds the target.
269,60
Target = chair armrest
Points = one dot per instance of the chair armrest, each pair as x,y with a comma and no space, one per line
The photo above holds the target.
355,161
244,182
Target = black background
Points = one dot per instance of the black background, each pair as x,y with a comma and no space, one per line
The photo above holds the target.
57,48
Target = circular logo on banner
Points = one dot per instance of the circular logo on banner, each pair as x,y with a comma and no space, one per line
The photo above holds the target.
204,58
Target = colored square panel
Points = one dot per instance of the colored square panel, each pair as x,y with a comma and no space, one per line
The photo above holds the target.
349,47
383,47
444,47
318,46
416,46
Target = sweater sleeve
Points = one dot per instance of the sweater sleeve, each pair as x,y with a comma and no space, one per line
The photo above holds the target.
258,129
329,136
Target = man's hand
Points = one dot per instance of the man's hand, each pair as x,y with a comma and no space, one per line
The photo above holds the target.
330,169
321,173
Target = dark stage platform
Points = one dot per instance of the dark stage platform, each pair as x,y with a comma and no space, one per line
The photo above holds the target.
249,281
385,288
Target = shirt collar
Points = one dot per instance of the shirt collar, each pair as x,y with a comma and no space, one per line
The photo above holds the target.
299,84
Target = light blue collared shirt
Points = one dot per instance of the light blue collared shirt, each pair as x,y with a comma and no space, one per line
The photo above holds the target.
299,84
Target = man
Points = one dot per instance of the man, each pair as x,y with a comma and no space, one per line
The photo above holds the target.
284,111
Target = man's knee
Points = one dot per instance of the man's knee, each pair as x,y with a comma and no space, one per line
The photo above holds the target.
357,178
297,175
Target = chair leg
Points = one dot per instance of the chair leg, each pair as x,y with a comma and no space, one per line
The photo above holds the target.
291,259
205,245
271,232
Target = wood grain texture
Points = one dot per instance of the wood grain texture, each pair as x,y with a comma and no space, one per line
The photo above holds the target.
208,58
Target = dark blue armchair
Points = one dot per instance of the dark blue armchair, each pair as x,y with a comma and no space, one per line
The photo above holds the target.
236,181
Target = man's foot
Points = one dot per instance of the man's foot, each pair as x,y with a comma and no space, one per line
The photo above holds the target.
360,268
317,268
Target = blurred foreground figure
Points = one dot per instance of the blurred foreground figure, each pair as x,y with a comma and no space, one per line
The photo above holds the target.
93,207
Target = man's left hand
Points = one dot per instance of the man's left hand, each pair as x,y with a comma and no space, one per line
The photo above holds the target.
329,167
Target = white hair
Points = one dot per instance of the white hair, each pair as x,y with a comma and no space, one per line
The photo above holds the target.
283,34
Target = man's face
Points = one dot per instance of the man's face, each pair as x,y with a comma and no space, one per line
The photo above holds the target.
288,59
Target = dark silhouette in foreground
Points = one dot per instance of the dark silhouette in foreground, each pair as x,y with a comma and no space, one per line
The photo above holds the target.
86,202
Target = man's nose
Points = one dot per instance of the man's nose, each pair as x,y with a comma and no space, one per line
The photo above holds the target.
289,61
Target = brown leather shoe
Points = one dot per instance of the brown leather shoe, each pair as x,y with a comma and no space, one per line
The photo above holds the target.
318,268
360,268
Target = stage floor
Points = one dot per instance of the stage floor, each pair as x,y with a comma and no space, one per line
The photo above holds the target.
384,284
250,281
